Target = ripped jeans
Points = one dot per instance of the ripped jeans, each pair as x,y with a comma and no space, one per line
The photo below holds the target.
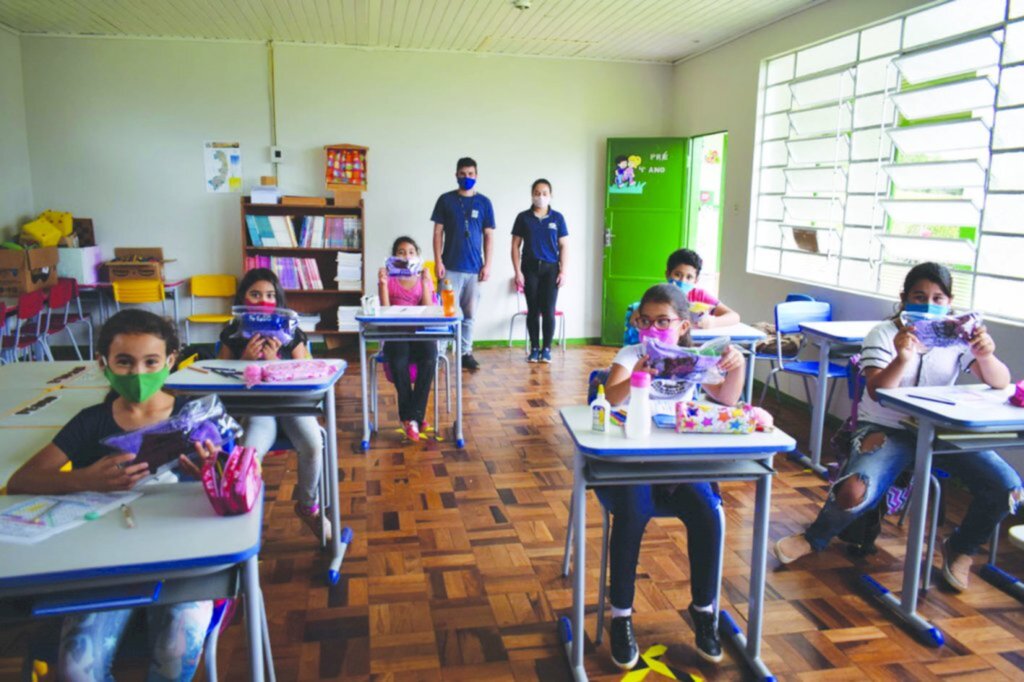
177,633
881,453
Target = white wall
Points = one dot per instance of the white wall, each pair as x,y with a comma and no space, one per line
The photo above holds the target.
717,91
124,146
15,180
128,151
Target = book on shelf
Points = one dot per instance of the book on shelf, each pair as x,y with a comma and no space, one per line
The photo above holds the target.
343,232
350,271
294,273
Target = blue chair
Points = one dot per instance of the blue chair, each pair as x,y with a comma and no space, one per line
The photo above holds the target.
788,318
772,357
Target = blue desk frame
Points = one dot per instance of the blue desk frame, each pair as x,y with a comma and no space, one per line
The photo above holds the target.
609,459
410,323
980,417
298,398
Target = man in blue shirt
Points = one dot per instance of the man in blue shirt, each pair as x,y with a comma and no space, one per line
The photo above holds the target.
463,241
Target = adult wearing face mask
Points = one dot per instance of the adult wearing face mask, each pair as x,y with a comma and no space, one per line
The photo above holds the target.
539,256
463,227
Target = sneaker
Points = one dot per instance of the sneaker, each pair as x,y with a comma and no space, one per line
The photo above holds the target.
545,356
790,548
424,426
534,356
705,627
469,362
625,652
956,569
411,429
310,516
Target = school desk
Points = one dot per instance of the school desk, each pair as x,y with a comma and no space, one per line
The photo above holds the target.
48,375
103,564
302,397
976,409
603,459
825,335
410,323
742,335
19,445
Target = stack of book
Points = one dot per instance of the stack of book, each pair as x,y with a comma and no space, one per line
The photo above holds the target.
308,322
350,272
294,273
347,318
271,230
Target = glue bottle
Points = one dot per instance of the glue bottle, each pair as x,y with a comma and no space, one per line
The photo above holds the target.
600,410
448,298
638,416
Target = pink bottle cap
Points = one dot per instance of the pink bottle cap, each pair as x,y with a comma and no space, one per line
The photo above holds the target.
640,380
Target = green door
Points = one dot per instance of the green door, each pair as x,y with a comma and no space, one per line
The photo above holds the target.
645,220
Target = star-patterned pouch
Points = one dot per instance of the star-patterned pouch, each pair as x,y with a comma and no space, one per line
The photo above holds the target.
697,417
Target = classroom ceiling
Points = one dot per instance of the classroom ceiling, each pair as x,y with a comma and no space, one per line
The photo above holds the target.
626,30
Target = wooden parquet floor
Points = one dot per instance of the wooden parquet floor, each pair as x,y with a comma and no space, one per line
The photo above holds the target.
454,573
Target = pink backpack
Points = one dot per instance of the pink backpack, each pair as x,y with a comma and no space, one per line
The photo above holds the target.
232,481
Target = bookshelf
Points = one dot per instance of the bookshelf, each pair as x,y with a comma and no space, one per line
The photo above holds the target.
301,298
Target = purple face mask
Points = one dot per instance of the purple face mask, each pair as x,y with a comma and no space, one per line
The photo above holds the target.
662,335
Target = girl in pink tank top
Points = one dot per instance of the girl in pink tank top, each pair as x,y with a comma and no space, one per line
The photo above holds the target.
400,355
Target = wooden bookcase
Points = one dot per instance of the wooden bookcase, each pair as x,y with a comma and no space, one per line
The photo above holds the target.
323,301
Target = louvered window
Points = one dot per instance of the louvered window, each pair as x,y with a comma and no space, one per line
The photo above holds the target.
895,144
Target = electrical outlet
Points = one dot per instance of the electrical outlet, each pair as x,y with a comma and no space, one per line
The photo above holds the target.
276,154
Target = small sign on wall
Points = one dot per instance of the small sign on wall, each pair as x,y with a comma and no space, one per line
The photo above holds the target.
222,162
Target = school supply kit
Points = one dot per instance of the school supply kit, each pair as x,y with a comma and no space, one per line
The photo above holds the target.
692,365
232,480
271,323
941,331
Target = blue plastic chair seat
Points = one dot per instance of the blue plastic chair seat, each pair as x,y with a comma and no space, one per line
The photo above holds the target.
810,368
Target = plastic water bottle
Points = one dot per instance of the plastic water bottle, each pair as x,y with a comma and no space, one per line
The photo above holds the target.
448,298
638,416
600,410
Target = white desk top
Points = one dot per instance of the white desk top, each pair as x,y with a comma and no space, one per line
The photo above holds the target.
18,447
977,408
54,414
175,530
844,332
40,374
736,332
409,314
190,381
663,444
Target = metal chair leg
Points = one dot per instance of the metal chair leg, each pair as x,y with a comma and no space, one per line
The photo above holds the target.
568,538
188,333
374,395
210,653
603,585
772,372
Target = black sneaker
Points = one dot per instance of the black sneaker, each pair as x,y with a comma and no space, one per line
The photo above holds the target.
705,627
469,362
625,652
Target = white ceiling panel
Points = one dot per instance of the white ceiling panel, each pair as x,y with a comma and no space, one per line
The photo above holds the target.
624,30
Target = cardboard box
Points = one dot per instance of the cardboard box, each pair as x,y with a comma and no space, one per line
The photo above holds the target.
82,264
23,272
135,263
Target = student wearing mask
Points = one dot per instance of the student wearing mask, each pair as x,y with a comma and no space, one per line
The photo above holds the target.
539,241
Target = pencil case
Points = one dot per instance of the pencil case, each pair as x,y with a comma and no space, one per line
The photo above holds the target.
232,481
941,332
273,323
690,365
287,370
698,311
700,417
400,267
1017,399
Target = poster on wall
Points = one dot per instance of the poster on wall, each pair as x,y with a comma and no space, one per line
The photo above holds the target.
222,162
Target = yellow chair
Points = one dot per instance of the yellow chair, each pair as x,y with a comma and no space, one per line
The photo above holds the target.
428,265
210,286
140,291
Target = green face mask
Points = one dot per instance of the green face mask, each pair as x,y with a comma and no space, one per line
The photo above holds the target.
137,388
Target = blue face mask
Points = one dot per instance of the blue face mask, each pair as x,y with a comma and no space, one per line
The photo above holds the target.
926,309
466,183
684,286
